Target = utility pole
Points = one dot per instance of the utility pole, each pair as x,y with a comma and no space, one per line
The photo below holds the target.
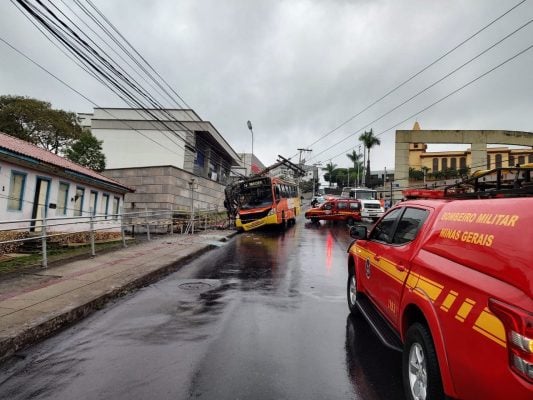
358,184
300,161
301,151
315,165
364,165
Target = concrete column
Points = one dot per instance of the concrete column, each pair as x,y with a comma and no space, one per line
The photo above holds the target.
479,156
207,162
401,163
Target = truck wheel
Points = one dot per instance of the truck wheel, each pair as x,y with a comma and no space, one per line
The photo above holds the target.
421,373
351,293
314,220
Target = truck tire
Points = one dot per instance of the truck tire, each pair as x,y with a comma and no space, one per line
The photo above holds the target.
421,373
314,220
351,292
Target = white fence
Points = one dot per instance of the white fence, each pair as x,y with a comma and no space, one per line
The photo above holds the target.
146,222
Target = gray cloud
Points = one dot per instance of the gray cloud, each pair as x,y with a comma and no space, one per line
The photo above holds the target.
298,69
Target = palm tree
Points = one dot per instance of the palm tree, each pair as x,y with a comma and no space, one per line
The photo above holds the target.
356,159
329,168
369,141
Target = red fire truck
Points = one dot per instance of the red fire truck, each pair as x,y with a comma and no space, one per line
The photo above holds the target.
449,282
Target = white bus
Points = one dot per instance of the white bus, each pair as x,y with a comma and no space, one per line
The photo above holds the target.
370,205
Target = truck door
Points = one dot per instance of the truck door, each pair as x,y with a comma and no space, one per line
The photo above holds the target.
375,273
329,209
394,259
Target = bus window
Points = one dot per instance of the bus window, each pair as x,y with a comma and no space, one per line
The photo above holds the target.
256,197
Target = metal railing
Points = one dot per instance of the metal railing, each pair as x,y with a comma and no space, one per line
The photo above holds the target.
148,222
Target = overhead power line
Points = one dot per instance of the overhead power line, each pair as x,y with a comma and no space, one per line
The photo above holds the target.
428,87
448,95
100,64
410,78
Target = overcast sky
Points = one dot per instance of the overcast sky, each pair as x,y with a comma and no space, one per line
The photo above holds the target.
299,69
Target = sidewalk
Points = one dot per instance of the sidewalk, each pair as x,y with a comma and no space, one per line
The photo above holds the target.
33,306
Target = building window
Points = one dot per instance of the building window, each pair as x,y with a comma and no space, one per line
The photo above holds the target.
78,201
453,163
105,205
462,163
16,191
213,170
444,164
116,203
435,165
488,161
530,158
93,201
498,160
521,160
200,159
62,198
511,160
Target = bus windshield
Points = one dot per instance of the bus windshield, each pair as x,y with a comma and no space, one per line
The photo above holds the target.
253,196
363,194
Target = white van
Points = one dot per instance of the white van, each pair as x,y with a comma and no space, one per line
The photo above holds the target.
370,205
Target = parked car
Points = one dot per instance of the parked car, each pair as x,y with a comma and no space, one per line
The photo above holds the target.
336,210
450,283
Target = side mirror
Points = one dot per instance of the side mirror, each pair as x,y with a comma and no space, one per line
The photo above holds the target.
358,232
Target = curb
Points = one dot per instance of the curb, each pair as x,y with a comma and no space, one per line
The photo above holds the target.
32,334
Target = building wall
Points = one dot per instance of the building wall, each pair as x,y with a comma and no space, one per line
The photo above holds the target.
31,176
136,138
128,148
507,157
167,188
247,160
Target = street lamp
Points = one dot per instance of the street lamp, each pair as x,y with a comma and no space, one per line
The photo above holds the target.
252,159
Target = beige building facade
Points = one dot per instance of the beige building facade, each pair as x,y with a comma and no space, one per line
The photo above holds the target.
411,151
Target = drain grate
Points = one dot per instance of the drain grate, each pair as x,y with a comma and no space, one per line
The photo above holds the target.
195,286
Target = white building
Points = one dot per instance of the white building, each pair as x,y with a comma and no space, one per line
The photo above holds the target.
249,165
165,155
37,183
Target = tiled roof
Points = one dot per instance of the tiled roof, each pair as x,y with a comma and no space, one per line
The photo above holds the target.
27,149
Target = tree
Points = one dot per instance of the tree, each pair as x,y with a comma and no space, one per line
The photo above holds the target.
369,141
87,151
330,169
35,121
357,164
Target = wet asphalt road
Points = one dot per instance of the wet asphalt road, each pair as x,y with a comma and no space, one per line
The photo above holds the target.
262,317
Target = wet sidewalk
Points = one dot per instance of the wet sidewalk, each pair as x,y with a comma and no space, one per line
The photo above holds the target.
33,306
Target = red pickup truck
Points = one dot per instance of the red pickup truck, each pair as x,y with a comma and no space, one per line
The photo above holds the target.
449,282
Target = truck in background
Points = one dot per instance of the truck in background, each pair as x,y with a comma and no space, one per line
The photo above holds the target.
371,207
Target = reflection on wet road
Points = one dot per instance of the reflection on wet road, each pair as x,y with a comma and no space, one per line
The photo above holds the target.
263,317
